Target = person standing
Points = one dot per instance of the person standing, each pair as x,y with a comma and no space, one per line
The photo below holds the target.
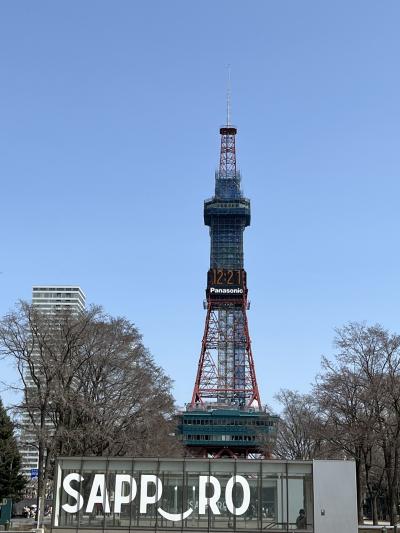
301,520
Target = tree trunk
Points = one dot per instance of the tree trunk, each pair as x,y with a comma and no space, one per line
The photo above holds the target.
392,508
41,486
395,490
360,513
374,510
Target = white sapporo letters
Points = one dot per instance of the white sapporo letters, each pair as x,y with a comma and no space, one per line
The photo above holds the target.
203,500
72,492
145,499
151,490
122,480
94,497
246,495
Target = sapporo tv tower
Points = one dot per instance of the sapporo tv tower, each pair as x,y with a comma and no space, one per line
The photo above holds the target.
225,416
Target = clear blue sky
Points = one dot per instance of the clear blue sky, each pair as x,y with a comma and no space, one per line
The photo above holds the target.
109,117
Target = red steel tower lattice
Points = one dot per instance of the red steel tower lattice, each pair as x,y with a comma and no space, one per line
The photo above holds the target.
217,379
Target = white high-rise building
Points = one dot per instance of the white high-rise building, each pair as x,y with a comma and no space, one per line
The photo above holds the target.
52,298
49,299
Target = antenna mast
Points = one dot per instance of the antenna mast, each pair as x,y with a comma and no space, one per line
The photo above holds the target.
228,98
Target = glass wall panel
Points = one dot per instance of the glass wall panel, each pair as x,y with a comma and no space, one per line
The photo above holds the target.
172,500
121,488
252,518
296,502
300,497
150,517
66,518
222,471
275,496
192,501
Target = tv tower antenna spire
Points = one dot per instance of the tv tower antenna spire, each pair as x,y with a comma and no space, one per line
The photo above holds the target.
228,98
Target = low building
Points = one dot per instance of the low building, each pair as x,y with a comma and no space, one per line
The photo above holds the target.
103,494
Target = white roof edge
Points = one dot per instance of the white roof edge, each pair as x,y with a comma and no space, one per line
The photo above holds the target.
72,285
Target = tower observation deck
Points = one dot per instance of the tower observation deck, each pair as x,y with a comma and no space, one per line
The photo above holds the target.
225,415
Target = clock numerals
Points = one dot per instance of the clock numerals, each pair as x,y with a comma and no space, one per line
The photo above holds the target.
221,276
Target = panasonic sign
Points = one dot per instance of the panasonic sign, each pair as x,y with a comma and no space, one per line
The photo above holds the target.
214,290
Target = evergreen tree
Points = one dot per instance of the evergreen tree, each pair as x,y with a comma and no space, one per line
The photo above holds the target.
12,482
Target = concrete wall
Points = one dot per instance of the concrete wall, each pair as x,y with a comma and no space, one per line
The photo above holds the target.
335,499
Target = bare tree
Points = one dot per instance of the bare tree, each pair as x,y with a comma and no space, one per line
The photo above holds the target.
340,395
358,396
299,434
88,384
123,404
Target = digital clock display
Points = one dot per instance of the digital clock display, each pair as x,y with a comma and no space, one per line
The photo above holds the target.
224,282
225,277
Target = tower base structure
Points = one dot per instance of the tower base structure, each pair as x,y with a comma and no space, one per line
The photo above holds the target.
220,431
